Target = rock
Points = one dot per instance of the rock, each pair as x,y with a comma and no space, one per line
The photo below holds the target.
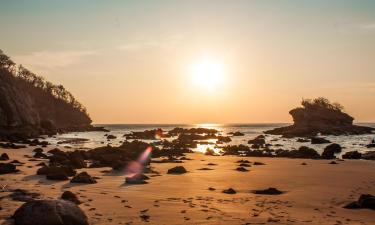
258,164
259,140
370,155
304,152
7,168
333,162
70,196
319,140
50,212
330,150
243,161
40,150
4,157
372,145
224,139
320,116
110,136
137,179
40,155
352,155
268,191
365,201
22,195
237,133
56,172
83,177
230,191
177,170
242,169
210,152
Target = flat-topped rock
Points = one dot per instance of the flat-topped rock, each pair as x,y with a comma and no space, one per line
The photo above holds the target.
320,116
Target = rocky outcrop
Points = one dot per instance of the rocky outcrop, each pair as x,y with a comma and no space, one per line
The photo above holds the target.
320,116
30,106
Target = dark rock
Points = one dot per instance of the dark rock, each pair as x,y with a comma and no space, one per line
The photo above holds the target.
365,201
22,195
333,162
40,150
110,136
258,164
70,196
7,168
177,170
210,152
224,139
259,140
330,150
242,169
40,155
268,191
211,189
50,212
243,161
304,153
137,179
56,172
370,155
244,165
230,191
352,155
83,177
237,133
319,140
303,140
4,157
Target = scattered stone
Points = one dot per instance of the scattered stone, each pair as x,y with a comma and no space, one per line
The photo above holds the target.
110,136
268,191
7,168
137,179
22,195
83,177
330,151
230,191
4,157
319,140
211,189
177,170
48,212
237,133
244,165
242,169
258,164
352,155
70,196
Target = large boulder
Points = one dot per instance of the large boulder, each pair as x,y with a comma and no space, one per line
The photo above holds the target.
56,172
70,196
50,212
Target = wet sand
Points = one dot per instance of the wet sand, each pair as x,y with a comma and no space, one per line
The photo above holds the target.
314,193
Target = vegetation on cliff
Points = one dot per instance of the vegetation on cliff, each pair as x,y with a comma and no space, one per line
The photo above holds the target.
30,105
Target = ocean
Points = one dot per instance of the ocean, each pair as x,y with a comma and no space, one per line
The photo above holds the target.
96,139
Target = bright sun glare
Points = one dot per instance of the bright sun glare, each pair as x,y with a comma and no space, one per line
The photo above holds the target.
207,73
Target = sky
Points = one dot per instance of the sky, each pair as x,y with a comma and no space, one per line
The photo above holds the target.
136,61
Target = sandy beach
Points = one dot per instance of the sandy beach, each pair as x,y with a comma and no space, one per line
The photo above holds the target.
315,193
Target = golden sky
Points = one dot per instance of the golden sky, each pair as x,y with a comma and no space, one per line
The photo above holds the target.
147,61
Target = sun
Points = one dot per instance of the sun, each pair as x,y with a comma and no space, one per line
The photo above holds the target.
207,73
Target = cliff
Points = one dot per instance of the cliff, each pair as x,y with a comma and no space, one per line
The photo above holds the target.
31,106
320,116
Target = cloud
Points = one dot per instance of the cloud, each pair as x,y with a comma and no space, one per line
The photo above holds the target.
369,26
145,44
42,61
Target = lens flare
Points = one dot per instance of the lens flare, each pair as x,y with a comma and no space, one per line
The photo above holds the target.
136,167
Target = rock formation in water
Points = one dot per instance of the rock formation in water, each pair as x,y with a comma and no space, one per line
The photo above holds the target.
30,106
320,116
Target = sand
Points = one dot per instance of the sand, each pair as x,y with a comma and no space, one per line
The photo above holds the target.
314,193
